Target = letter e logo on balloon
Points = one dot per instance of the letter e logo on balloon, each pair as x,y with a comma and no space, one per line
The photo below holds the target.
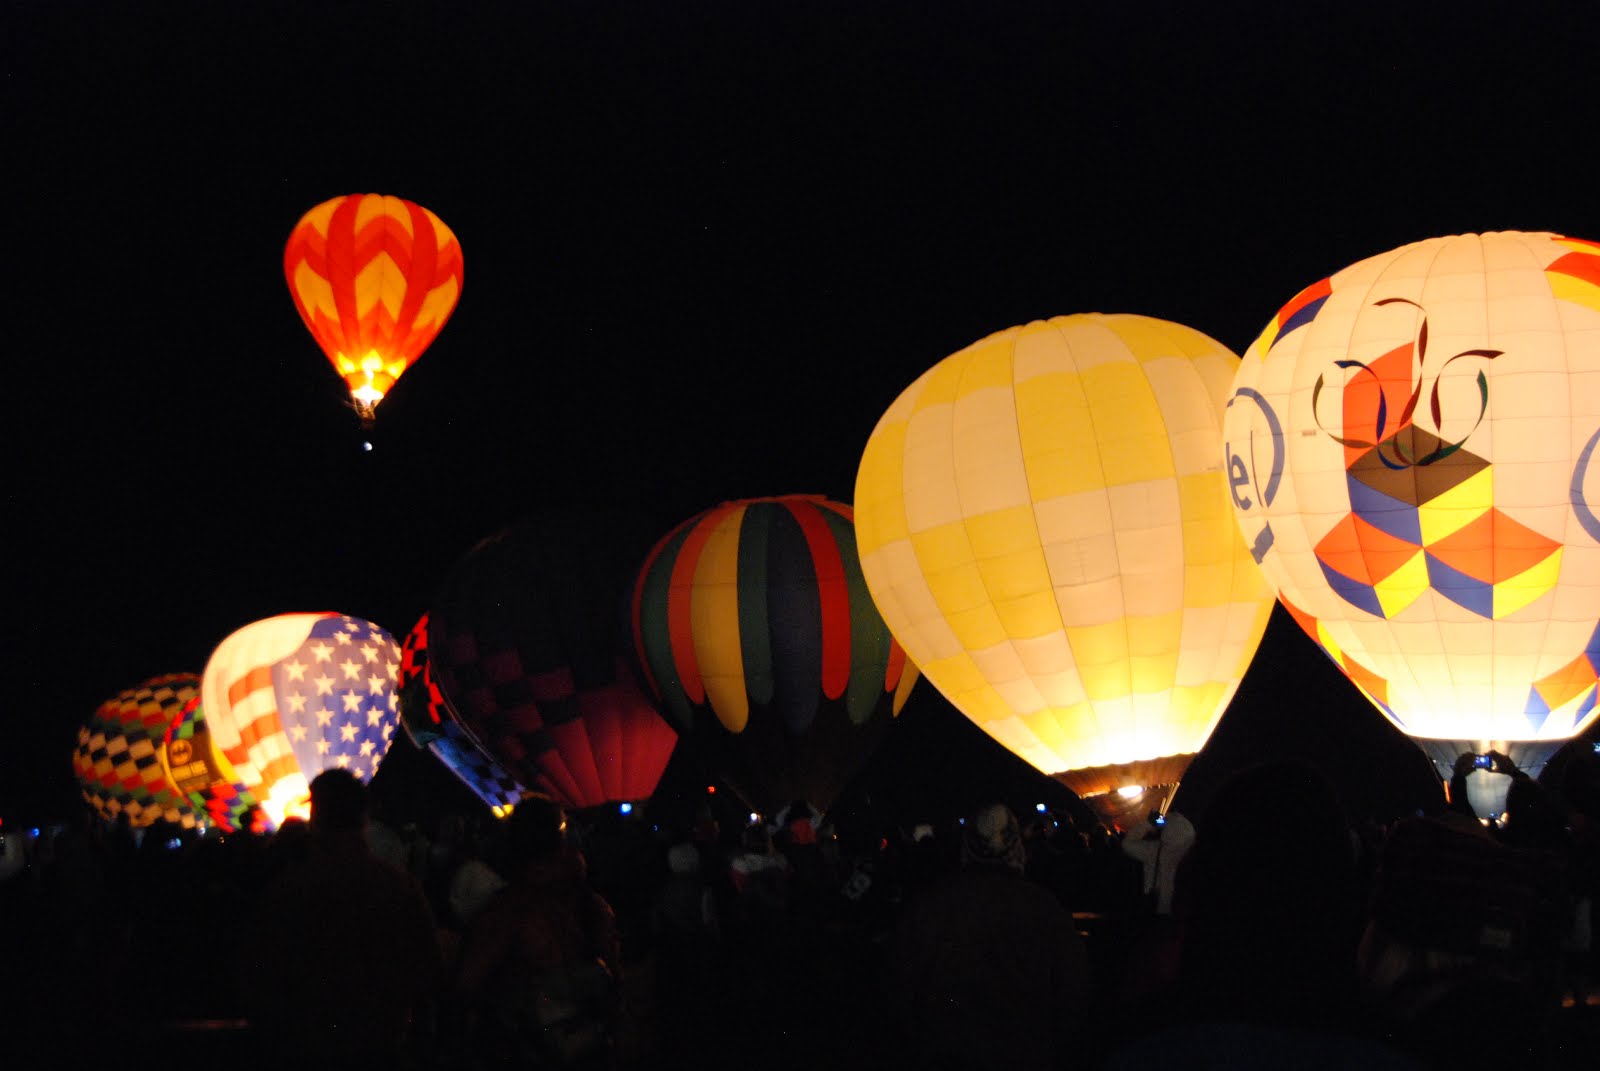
1246,467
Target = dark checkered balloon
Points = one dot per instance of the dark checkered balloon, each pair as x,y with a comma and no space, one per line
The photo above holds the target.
432,725
529,648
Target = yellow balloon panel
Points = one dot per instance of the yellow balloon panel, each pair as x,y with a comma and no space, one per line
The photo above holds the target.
1043,521
1409,444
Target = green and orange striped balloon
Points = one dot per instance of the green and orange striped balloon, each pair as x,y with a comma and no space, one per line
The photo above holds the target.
374,278
753,627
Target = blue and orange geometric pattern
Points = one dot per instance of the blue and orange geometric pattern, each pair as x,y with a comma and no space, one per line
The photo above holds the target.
1555,691
1549,697
1371,684
1413,458
1422,510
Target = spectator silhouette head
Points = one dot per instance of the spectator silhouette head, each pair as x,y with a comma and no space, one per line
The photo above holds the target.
1533,818
992,839
683,860
338,802
537,829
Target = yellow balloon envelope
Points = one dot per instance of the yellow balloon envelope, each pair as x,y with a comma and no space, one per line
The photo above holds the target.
1409,445
1043,522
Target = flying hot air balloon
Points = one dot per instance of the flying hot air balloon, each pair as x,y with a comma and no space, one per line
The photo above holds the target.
290,696
431,724
118,759
1409,446
754,627
1043,520
374,278
527,646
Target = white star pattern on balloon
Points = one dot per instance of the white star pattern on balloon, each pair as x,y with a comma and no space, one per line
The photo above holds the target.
348,717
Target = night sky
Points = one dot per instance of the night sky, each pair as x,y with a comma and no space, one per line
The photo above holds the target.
706,244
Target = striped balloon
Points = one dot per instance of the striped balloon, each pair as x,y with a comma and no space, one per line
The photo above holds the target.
374,279
754,627
118,758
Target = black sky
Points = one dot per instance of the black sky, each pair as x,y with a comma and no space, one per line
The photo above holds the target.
706,244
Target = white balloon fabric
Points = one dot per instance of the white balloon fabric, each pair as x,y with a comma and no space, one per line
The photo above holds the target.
1409,446
293,695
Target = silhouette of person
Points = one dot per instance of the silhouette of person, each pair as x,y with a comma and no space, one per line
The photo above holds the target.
540,962
343,948
988,969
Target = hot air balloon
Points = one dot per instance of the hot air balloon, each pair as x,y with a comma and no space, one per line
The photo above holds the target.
1409,444
754,627
198,772
526,643
374,279
290,696
1043,520
118,758
432,725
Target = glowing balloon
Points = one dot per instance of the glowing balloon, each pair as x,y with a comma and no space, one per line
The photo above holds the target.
1043,520
1409,445
293,695
118,759
527,645
374,279
754,627
196,771
430,723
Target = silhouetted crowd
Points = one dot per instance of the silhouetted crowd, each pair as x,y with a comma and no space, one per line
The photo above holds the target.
1268,933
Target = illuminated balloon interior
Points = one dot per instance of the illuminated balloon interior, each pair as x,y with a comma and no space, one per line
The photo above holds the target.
1043,521
1409,446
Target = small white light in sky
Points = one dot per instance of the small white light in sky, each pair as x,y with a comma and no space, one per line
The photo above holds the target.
625,808
366,447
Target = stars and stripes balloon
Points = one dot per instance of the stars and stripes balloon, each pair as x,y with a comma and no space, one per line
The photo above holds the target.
290,696
753,626
527,645
1410,444
118,759
432,725
374,278
1043,520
